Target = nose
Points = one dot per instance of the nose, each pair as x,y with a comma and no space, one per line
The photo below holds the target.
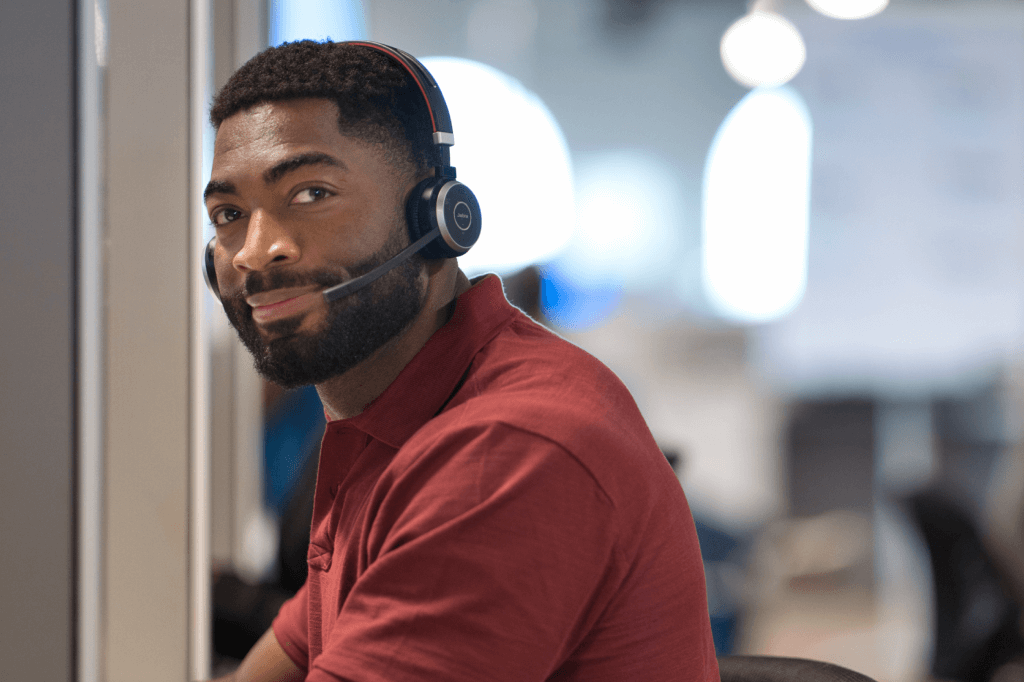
266,245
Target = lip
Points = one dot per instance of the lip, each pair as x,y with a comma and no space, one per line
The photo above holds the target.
277,305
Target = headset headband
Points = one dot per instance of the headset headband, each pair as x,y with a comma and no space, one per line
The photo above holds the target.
440,120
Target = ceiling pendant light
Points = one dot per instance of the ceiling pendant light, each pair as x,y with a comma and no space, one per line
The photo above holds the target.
849,9
763,48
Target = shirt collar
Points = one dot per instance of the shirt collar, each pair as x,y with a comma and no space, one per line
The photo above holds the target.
426,383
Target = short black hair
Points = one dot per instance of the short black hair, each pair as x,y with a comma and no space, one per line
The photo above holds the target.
377,100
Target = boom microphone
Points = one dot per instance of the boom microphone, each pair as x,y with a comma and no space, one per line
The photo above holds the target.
356,283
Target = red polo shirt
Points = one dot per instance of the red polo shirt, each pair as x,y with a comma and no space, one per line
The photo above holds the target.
500,512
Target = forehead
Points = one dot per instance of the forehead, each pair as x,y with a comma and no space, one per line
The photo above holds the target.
273,124
256,142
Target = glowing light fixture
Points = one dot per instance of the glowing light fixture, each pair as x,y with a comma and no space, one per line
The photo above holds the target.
316,20
511,152
849,9
756,207
763,48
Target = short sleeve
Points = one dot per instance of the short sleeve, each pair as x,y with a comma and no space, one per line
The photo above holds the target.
290,627
489,557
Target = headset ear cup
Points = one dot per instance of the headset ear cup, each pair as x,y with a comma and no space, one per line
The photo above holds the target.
451,207
417,219
457,213
209,270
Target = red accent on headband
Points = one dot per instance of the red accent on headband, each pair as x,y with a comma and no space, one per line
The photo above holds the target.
401,60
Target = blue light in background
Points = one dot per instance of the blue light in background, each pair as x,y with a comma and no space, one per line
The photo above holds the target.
629,220
316,20
573,304
627,237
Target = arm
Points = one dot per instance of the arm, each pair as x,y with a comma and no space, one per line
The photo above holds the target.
266,662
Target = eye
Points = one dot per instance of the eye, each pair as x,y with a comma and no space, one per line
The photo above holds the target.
224,216
310,195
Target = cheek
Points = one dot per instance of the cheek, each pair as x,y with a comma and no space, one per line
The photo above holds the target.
237,311
229,280
344,246
364,233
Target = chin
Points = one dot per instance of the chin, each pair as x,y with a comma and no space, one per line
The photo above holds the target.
292,326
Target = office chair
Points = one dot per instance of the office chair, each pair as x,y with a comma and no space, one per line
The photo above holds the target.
779,669
977,619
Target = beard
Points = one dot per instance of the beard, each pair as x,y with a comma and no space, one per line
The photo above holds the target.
355,327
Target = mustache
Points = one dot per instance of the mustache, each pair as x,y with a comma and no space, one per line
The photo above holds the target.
257,282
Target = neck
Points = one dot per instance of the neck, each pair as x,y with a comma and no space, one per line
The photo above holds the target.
346,395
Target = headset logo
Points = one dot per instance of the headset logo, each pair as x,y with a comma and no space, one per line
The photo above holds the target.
463,215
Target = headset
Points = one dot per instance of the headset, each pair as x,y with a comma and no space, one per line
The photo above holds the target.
442,214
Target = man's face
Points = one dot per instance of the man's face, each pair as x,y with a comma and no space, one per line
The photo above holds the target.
299,207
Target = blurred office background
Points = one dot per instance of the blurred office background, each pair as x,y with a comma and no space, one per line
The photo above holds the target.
793,228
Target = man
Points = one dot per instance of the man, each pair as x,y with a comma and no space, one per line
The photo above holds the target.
490,504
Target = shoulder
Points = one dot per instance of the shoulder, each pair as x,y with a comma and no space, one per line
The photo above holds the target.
527,363
529,387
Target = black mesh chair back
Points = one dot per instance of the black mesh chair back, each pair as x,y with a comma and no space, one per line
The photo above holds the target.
779,669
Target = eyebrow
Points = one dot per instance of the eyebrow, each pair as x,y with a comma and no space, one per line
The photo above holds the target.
272,175
218,187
